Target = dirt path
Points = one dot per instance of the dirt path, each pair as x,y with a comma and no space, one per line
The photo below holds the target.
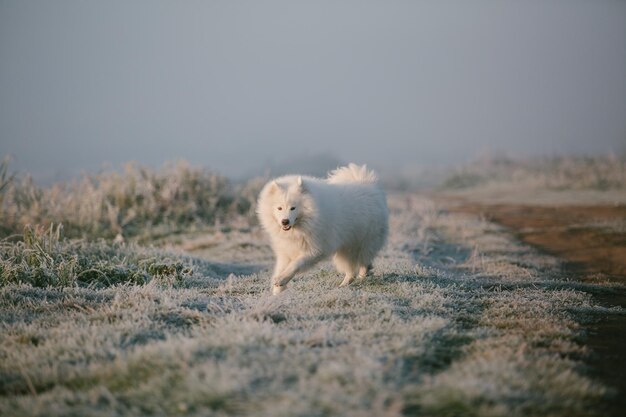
591,238
592,242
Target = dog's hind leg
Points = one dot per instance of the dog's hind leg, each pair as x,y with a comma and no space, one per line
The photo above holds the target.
347,266
365,270
347,280
364,261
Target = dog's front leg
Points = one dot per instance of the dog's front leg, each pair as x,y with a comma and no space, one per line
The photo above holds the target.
281,263
297,265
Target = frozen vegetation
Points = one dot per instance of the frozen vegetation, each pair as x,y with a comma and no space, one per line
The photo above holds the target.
459,318
558,172
140,202
550,181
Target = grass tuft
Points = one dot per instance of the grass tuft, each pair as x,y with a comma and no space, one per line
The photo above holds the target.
44,259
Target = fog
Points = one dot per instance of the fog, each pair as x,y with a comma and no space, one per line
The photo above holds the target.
240,85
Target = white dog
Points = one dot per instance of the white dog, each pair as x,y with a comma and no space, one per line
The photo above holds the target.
309,219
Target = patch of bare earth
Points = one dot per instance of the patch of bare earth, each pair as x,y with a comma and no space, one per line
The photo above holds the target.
581,235
591,240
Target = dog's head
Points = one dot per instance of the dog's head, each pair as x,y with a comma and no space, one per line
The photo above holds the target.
284,202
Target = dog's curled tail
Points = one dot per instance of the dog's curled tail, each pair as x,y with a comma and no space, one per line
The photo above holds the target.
352,173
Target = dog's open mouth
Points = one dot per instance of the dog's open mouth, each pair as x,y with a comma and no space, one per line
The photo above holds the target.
286,227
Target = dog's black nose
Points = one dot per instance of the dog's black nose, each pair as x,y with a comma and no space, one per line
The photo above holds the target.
285,222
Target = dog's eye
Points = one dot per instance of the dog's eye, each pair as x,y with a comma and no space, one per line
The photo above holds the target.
293,208
280,208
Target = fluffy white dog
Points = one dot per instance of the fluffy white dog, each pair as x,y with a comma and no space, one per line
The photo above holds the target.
309,219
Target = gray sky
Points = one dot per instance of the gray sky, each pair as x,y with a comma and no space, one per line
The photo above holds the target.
233,84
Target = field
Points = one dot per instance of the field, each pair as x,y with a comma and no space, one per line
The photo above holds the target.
153,298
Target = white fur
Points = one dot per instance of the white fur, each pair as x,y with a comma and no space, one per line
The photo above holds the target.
309,219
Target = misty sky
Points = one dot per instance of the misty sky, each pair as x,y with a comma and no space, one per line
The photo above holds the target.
234,84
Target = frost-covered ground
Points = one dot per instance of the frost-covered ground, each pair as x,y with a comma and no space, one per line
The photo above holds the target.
459,319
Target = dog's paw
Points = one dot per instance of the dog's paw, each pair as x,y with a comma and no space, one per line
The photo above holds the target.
276,280
346,281
277,289
281,280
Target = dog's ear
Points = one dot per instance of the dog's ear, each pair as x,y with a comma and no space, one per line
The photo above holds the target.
300,184
273,187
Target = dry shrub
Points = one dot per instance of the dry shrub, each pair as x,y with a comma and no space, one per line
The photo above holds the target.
139,201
